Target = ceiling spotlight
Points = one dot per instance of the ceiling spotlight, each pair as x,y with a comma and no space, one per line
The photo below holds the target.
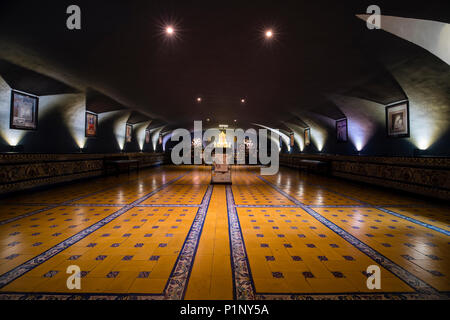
207,120
269,33
235,120
170,30
199,99
242,100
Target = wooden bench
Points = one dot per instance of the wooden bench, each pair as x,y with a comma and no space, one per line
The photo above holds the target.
120,164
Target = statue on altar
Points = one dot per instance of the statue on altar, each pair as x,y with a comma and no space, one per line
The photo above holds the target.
222,143
221,170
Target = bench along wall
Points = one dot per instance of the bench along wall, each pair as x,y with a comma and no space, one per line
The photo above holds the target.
421,175
25,171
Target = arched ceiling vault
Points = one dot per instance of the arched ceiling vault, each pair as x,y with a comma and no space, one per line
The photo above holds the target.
317,54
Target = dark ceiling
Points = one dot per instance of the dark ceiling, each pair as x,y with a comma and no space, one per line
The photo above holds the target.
218,53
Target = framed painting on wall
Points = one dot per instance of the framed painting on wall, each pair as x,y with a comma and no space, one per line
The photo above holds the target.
147,136
128,132
397,120
292,140
307,136
91,123
160,140
342,130
24,111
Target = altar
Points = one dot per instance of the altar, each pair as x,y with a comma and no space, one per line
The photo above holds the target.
221,170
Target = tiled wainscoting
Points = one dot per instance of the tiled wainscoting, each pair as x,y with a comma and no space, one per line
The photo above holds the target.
25,171
422,175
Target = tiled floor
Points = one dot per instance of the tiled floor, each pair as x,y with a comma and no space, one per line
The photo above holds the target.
167,234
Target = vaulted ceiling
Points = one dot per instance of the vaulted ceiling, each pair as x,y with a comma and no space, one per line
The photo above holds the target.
122,58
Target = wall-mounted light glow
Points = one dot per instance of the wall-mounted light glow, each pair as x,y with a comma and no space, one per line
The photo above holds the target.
358,146
73,113
423,144
427,123
166,138
140,129
359,133
155,136
362,122
318,129
318,137
11,136
119,126
298,134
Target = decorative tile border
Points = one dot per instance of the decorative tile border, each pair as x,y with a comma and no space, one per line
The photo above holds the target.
243,286
78,296
111,205
66,203
177,284
368,205
414,282
28,214
352,296
371,206
17,272
423,224
170,205
265,206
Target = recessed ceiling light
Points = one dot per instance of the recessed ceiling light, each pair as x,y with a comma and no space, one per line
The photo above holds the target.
199,99
170,30
242,100
269,33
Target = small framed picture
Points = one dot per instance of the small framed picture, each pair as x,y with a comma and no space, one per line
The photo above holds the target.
397,120
128,132
342,130
160,140
24,111
292,140
91,124
307,136
147,136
